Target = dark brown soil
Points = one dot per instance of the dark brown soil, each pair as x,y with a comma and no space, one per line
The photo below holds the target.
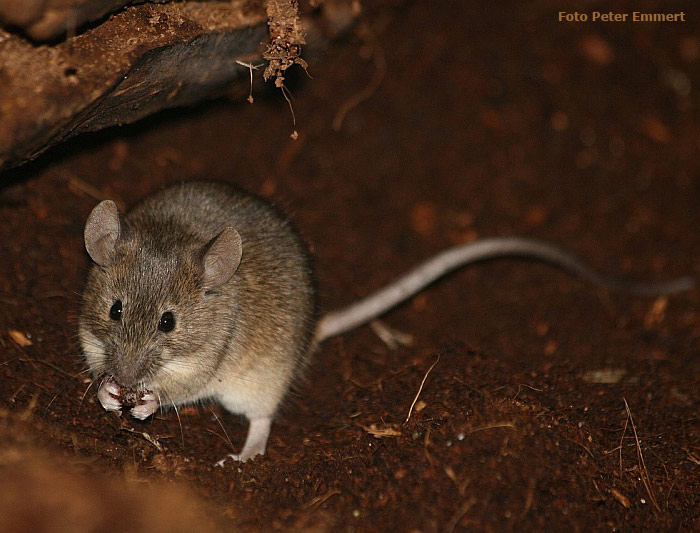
551,403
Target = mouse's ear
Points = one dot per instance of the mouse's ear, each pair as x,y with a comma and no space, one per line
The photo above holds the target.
222,255
103,228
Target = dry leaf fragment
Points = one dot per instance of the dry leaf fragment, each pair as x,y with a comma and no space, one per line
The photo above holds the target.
387,430
657,312
20,338
624,501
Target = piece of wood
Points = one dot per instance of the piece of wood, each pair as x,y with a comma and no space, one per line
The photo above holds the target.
49,19
143,59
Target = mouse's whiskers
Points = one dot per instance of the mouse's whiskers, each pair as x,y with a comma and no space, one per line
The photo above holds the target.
177,413
82,398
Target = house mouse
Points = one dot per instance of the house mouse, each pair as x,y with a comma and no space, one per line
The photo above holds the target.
202,291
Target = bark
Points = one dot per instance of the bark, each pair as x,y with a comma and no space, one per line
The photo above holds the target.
143,59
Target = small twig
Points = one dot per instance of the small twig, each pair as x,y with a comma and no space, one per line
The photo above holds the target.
410,410
318,500
668,494
643,471
693,458
46,409
622,438
251,68
615,449
12,398
600,494
146,436
288,96
493,426
587,449
520,387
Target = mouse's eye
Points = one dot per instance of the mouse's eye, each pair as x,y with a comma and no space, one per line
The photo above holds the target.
167,322
115,312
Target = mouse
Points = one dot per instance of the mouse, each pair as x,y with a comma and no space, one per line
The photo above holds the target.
203,292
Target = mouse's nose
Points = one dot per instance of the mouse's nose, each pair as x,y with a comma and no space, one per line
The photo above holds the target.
130,369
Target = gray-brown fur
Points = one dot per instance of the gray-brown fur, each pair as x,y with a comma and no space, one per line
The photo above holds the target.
258,325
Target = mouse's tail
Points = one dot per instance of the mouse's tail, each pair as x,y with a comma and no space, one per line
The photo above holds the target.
369,308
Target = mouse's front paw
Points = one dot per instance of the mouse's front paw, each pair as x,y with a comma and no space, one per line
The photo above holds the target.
148,404
109,396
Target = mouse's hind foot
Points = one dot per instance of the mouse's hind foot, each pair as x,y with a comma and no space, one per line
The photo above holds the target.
255,442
